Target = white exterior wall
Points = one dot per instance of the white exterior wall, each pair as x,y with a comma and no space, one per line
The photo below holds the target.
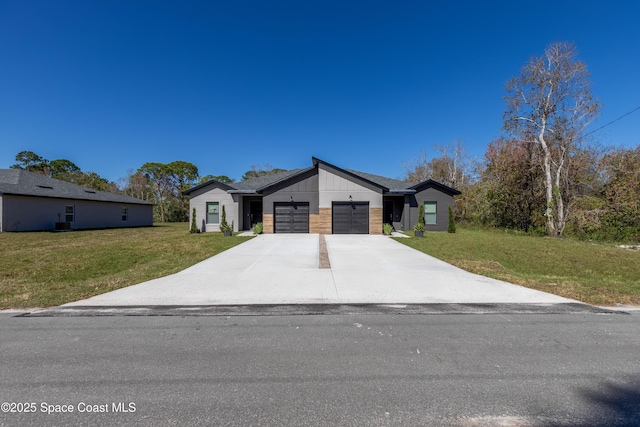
201,197
334,188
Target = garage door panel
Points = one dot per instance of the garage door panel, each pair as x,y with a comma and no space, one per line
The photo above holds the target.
351,218
291,217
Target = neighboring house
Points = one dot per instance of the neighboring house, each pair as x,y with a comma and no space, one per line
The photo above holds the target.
321,199
32,202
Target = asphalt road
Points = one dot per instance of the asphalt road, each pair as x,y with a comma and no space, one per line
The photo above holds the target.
348,370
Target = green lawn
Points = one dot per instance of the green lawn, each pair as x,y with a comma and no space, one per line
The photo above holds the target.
593,273
45,269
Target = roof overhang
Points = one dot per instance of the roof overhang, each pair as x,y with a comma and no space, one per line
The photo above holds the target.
242,192
204,184
284,179
400,192
432,183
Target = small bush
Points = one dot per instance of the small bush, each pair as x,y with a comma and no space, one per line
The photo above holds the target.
420,217
194,225
224,225
452,223
387,229
257,229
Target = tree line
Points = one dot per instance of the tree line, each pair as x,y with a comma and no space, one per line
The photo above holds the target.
544,175
158,183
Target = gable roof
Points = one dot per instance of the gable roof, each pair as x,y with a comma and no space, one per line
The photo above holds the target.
392,185
387,185
432,183
259,183
24,183
207,183
250,186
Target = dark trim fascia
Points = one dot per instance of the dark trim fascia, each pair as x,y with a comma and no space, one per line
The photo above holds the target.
418,187
288,177
242,192
400,192
224,186
351,174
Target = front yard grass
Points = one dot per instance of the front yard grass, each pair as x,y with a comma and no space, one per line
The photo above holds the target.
593,273
44,269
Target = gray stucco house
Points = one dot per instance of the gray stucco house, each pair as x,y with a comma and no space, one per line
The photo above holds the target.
32,202
323,199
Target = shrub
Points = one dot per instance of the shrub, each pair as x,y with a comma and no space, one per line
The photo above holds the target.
257,229
452,223
387,228
224,226
420,222
194,225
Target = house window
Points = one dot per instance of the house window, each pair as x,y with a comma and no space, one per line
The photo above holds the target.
430,211
69,213
213,212
125,214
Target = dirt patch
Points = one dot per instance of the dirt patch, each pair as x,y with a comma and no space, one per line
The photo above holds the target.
324,255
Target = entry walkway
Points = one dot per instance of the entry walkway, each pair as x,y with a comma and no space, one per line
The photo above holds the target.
284,269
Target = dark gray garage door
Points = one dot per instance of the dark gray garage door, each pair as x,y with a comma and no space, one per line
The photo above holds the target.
291,217
351,218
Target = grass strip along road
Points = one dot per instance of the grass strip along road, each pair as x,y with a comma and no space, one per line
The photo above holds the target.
44,269
594,273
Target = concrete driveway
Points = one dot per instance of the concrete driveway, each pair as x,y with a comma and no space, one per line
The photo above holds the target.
284,269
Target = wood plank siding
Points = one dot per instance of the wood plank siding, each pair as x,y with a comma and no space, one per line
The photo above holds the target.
267,223
375,221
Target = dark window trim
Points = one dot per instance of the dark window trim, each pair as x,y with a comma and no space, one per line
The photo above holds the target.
206,214
436,213
71,214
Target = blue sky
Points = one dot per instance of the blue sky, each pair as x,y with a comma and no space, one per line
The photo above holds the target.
365,85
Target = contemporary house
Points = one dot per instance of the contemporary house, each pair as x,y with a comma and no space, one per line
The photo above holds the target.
32,202
323,199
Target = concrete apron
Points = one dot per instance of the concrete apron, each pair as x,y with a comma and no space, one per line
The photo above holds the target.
284,269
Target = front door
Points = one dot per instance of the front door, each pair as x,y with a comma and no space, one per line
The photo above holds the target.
387,212
255,211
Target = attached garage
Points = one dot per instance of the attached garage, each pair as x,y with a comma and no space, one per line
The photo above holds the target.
350,217
291,217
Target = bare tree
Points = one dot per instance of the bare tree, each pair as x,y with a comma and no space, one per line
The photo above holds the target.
417,169
550,103
452,167
456,165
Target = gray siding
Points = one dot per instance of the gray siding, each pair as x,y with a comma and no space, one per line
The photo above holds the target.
213,193
28,213
429,194
336,186
1,217
302,188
